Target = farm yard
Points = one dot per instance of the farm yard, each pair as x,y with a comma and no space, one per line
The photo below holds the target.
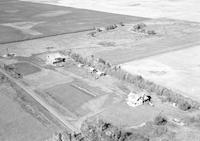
61,78
61,67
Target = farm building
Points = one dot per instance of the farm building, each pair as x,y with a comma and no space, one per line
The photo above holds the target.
134,99
55,59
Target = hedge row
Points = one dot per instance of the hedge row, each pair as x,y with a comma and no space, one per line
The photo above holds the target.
164,93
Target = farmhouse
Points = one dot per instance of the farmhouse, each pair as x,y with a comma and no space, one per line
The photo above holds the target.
134,99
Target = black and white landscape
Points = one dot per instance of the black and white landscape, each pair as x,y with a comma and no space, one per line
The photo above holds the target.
99,70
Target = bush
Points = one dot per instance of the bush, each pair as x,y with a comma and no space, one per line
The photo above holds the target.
139,27
95,130
111,27
160,120
183,105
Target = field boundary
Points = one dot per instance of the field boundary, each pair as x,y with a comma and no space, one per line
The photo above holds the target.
46,36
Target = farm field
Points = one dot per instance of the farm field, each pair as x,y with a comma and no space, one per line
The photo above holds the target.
20,120
185,9
69,96
25,20
178,70
144,50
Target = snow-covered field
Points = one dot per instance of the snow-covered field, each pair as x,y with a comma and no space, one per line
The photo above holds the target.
176,9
